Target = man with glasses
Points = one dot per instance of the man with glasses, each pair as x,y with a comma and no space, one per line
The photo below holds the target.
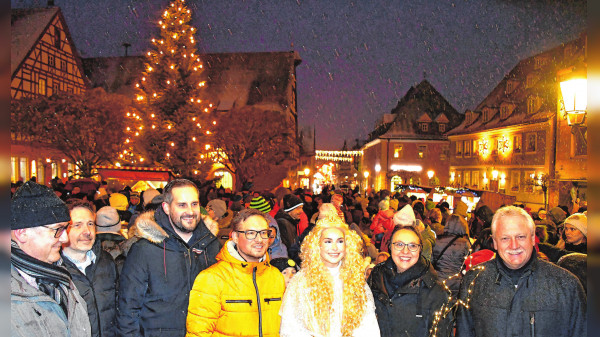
174,246
44,300
241,294
93,270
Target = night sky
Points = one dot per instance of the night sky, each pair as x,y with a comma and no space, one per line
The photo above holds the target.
358,57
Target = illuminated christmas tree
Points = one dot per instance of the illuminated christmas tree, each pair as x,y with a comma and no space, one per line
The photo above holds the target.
171,125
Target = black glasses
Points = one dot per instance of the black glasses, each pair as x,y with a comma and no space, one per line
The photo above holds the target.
251,234
413,247
57,231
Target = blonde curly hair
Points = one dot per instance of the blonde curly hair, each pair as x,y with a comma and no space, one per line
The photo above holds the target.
320,282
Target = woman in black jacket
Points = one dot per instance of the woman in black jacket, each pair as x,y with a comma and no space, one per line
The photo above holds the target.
406,290
450,251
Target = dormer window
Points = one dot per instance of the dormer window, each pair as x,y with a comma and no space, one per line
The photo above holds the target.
530,81
532,104
469,117
539,62
442,127
424,127
504,111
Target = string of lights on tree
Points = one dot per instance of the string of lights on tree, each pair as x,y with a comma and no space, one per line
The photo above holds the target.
170,123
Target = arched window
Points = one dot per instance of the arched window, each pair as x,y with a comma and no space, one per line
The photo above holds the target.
226,179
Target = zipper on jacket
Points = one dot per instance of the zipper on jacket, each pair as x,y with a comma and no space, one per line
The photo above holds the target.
532,323
269,300
257,301
239,301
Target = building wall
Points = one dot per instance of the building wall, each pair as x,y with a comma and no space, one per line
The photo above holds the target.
396,156
50,68
514,152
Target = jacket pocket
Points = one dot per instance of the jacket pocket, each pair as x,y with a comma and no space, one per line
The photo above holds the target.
275,299
249,302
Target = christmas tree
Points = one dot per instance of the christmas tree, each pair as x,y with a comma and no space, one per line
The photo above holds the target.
171,127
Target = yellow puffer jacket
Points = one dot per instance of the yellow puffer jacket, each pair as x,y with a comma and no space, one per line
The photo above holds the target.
223,300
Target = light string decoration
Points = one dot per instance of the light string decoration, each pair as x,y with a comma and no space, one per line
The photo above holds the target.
170,124
452,305
337,155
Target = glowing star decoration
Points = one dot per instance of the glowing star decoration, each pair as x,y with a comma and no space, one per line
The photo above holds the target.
484,148
504,145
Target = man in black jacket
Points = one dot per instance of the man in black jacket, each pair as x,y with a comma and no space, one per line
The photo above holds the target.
517,294
174,246
288,218
92,269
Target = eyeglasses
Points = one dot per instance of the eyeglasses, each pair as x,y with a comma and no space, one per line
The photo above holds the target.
58,231
251,234
413,247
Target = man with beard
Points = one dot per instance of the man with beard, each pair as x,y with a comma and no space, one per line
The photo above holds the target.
174,246
241,294
93,270
517,294
43,299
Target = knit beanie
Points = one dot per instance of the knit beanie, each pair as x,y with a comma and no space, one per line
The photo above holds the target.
148,195
384,205
218,206
579,221
404,217
282,263
118,201
429,205
108,220
557,215
291,202
35,205
260,204
461,209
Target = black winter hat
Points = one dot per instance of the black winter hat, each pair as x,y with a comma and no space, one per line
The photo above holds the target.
35,205
291,202
282,263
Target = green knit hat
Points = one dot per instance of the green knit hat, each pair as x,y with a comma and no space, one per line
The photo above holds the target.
260,204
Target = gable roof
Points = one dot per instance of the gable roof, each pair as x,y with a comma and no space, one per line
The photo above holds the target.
27,27
418,105
543,88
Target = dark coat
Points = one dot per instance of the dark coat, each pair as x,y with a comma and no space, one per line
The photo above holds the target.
158,275
548,301
98,287
450,263
410,310
287,227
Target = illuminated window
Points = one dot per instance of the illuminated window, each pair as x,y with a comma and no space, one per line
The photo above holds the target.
14,165
42,86
23,169
531,142
475,179
475,148
459,148
422,149
467,179
517,144
515,181
467,146
226,180
398,151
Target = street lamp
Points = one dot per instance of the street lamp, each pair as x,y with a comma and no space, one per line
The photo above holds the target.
377,168
430,174
366,174
306,171
574,100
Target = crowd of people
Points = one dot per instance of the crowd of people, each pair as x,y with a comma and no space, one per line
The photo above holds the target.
206,261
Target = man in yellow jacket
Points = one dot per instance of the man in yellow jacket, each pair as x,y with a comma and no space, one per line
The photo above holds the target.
241,294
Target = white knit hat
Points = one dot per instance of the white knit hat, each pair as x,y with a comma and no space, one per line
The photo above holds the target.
405,216
579,221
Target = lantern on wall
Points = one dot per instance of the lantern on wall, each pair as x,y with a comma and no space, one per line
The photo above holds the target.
574,100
